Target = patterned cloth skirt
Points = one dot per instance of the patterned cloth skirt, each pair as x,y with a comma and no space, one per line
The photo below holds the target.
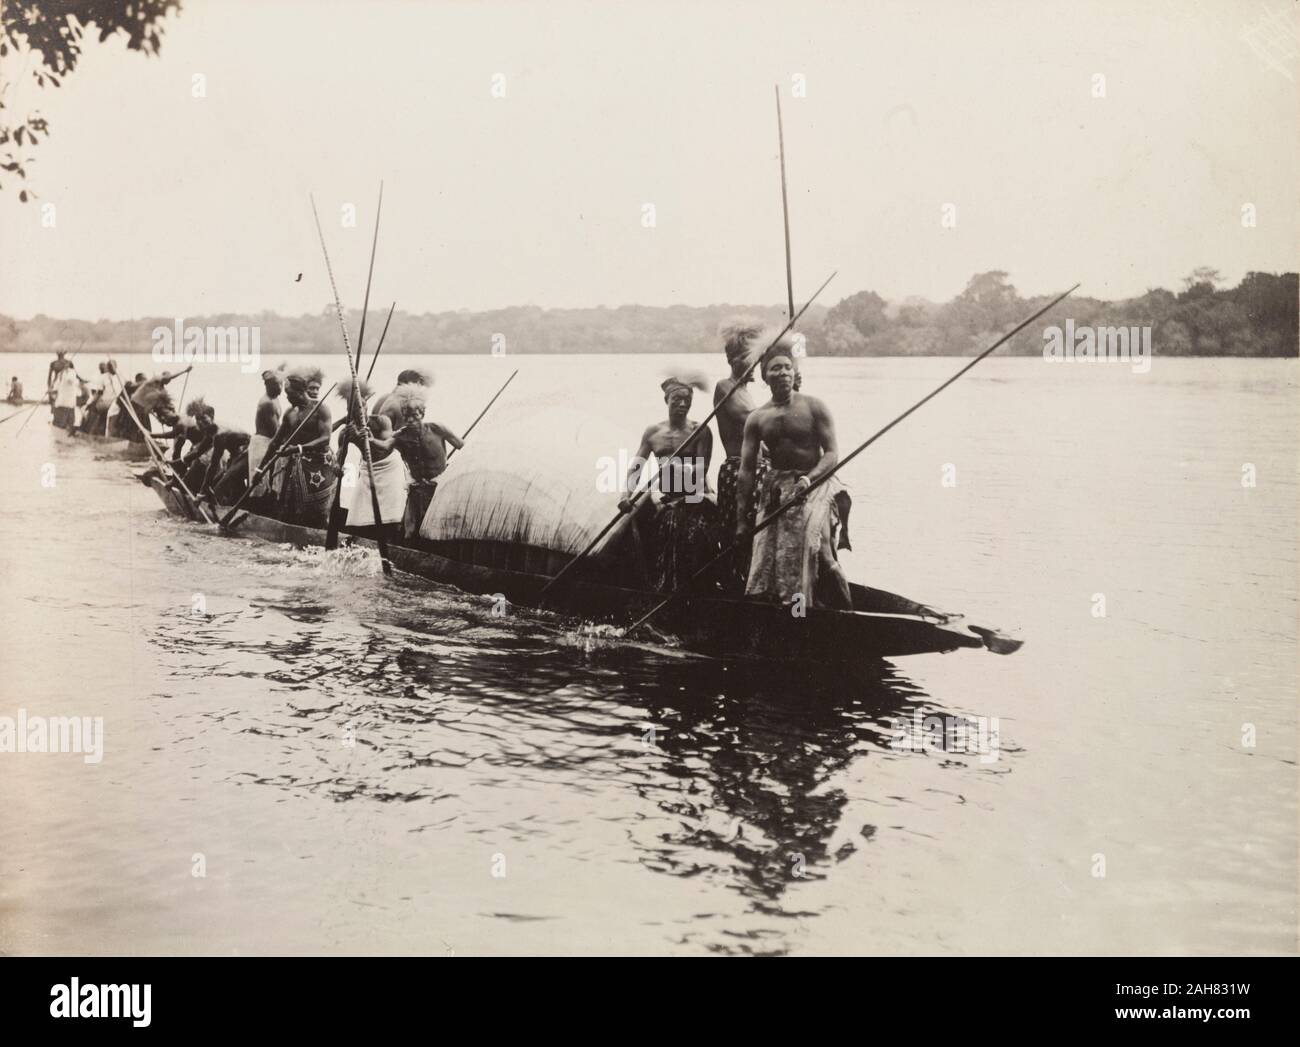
794,556
308,489
684,538
728,481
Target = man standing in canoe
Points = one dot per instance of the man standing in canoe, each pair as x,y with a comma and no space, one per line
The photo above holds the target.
422,446
388,405
94,417
266,423
389,471
308,486
123,424
738,343
111,399
58,365
681,532
62,390
794,558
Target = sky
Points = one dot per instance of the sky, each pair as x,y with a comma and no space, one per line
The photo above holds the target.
167,204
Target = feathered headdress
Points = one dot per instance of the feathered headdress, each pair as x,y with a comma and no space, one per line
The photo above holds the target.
738,337
199,406
345,389
305,374
408,394
684,380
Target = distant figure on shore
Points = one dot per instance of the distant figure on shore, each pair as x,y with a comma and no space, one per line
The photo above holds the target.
15,391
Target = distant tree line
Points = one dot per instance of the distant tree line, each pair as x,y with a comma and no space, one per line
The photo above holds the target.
1258,317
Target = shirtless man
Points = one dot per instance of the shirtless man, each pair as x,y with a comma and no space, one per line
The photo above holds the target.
151,398
221,444
680,534
58,365
227,472
201,432
267,419
266,423
422,445
684,476
388,403
390,477
795,556
739,340
308,483
190,430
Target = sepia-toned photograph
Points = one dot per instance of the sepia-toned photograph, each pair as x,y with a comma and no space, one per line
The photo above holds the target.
650,479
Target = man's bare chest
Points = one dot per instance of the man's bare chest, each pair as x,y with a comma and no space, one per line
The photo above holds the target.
786,426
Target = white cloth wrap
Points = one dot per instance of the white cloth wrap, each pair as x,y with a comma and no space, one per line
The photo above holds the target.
67,389
112,389
257,445
391,480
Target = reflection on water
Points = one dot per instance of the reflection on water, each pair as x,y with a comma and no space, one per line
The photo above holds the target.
725,773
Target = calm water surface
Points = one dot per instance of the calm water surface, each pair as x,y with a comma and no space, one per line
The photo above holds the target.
641,800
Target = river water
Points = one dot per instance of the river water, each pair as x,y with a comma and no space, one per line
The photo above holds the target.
360,765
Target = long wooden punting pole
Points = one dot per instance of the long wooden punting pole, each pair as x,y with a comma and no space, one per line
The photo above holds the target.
785,205
772,516
354,416
257,476
484,411
636,495
184,386
29,409
382,334
380,539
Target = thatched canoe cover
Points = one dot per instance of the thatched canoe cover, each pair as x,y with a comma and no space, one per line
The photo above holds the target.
537,484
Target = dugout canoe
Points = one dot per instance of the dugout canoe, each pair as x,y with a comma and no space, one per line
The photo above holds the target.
882,624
